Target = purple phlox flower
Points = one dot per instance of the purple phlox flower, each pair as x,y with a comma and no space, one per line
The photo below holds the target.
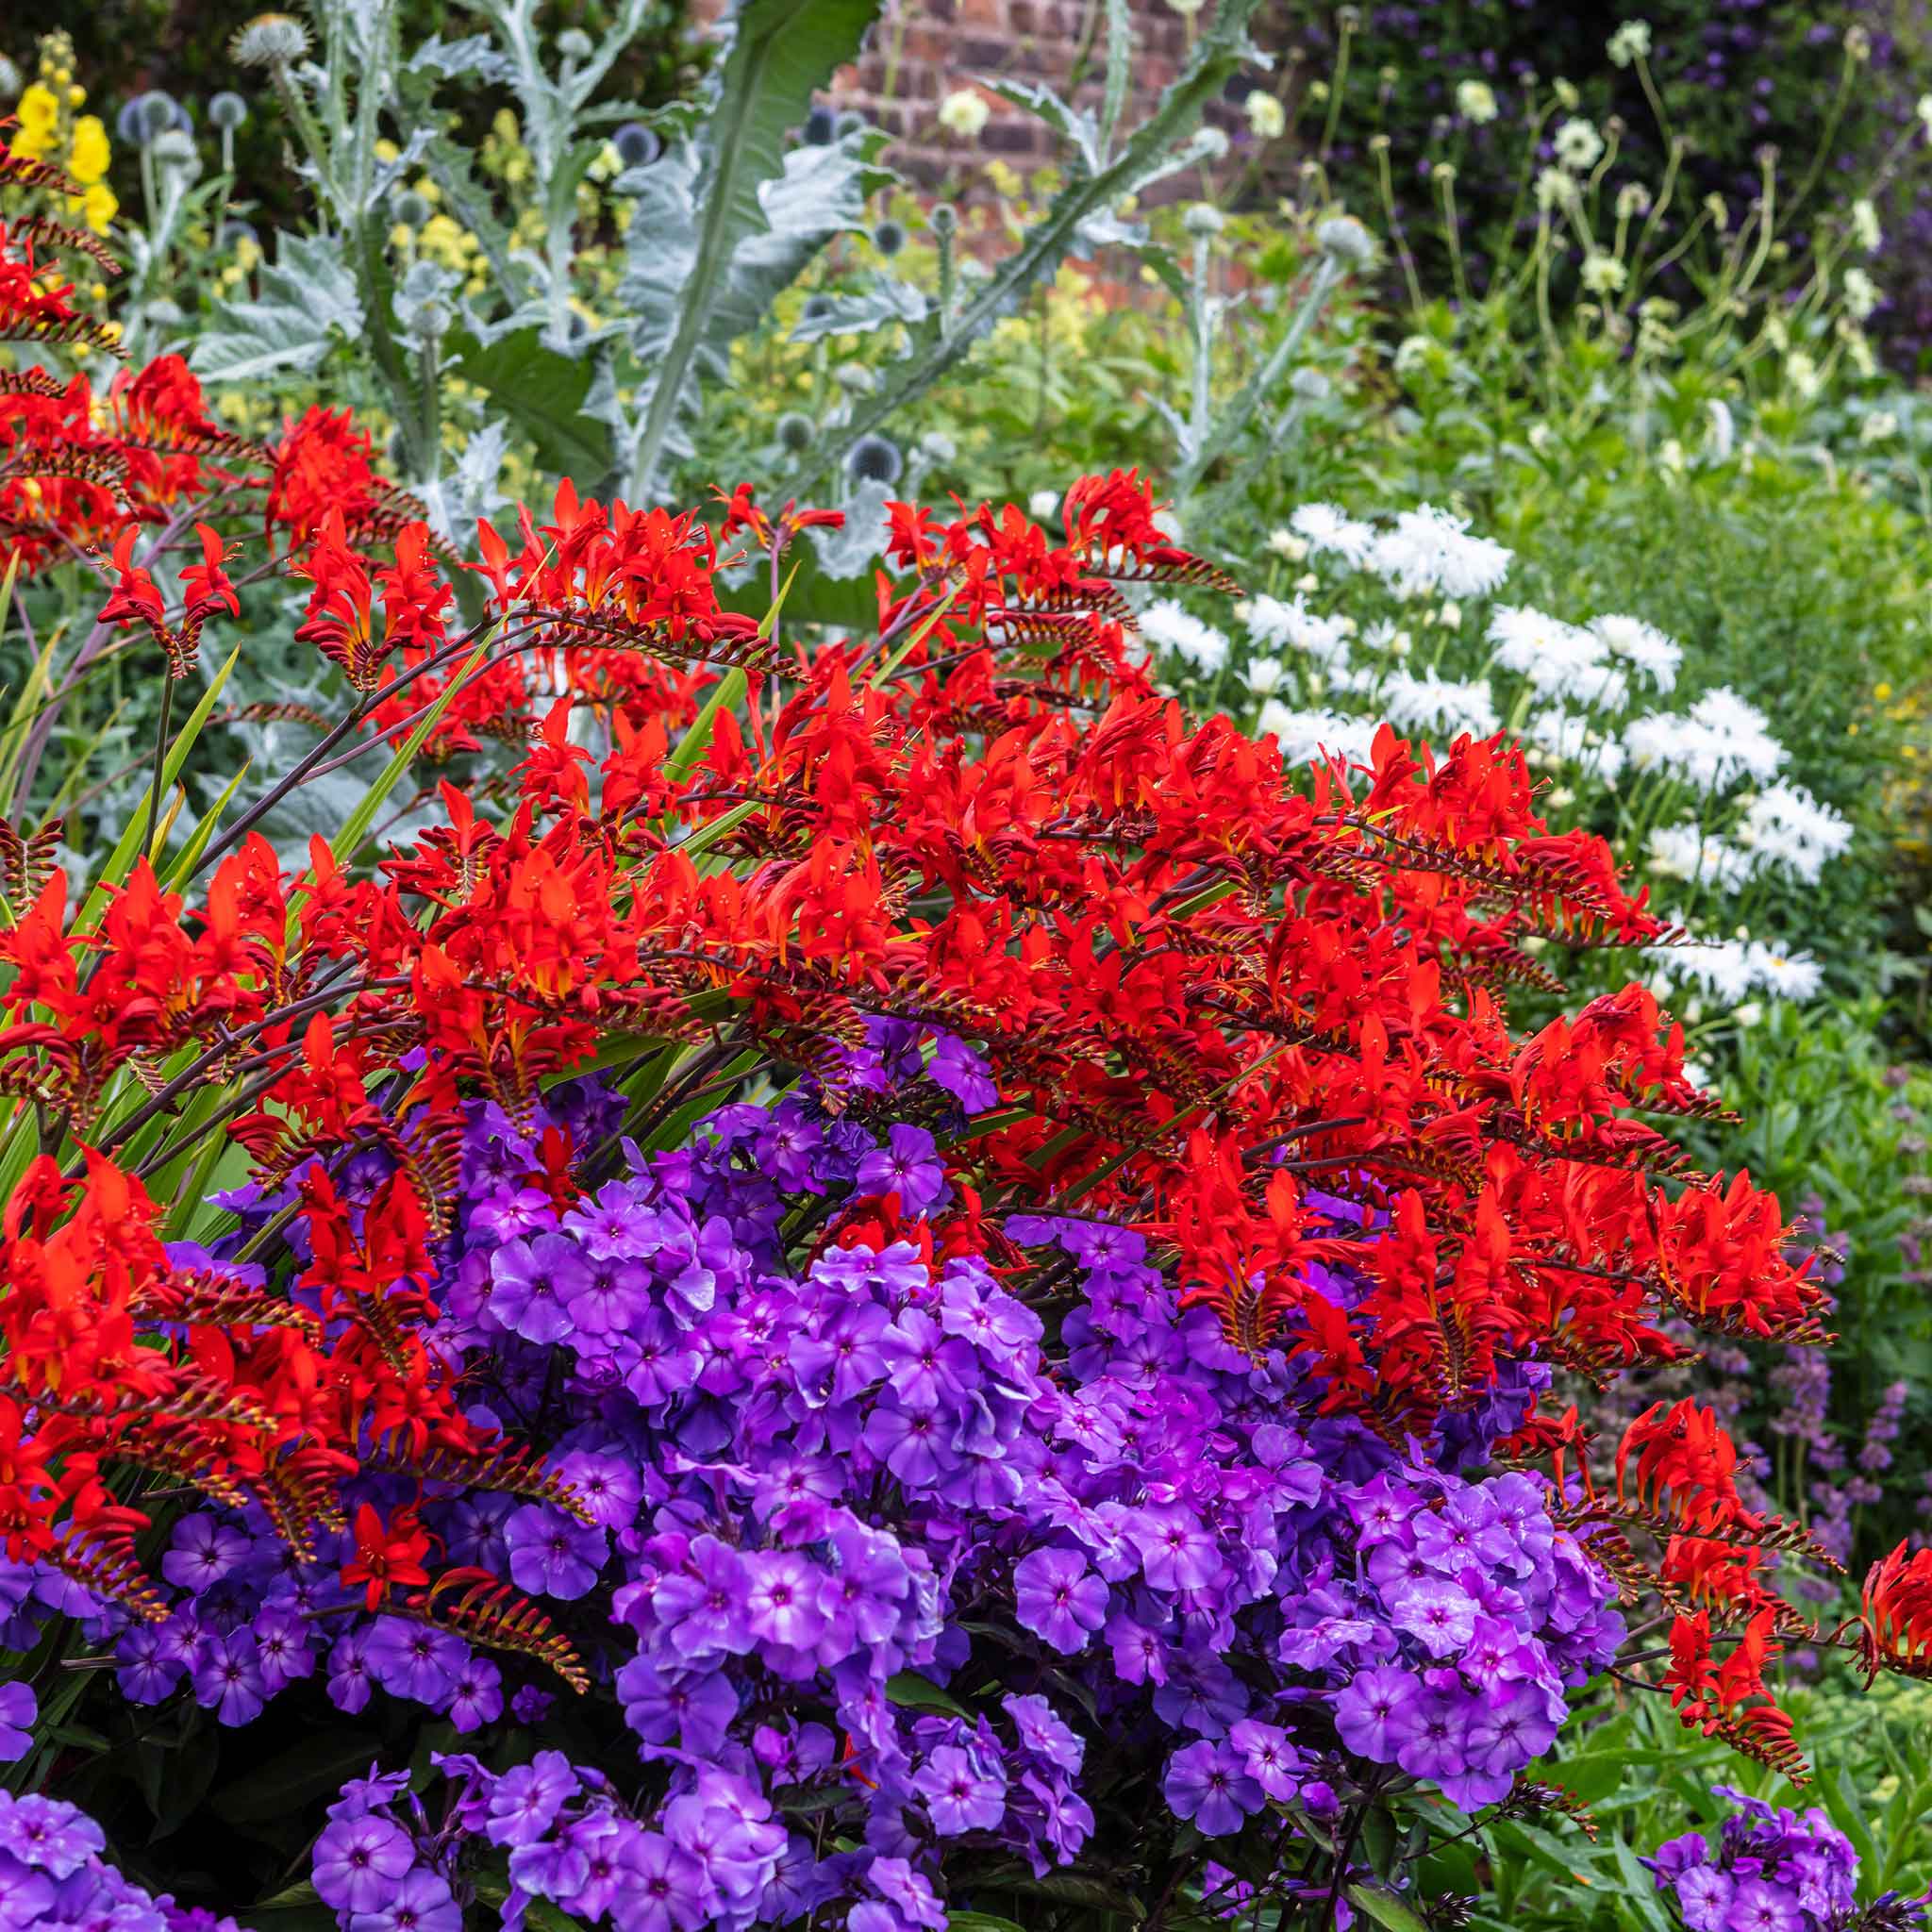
531,1704
1441,1615
863,1598
358,1863
1058,1598
1758,1906
533,1283
420,1902
661,1889
692,1709
782,1598
150,1664
478,1697
526,1800
228,1679
281,1646
843,1359
1373,1712
1432,1736
1209,1783
910,1166
607,1487
349,1678
1043,1731
908,1442
702,1605
925,1366
1267,1756
963,1073
415,1660
47,1833
1140,1654
909,1890
203,1552
960,1794
615,1292
1176,1552
552,1553
616,1221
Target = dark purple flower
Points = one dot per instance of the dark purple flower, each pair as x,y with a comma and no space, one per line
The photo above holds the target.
1209,1783
908,1165
228,1679
552,1553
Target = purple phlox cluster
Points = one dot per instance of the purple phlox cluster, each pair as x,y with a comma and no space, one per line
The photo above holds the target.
1772,1870
53,1878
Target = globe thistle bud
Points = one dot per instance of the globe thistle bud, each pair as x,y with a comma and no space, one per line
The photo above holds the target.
269,40
411,209
127,122
175,148
1203,219
1345,241
574,43
158,112
854,378
795,431
1310,385
875,459
228,111
820,127
636,145
944,218
888,237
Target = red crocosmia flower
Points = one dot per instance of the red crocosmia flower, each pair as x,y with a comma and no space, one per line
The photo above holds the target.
389,1556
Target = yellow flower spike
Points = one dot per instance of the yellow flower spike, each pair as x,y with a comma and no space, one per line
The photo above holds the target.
402,236
388,151
40,114
102,205
76,96
89,154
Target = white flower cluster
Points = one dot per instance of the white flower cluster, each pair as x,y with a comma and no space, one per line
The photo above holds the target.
1170,627
1783,828
1732,970
1589,703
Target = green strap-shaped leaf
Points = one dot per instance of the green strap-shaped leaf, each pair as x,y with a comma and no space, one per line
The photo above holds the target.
705,202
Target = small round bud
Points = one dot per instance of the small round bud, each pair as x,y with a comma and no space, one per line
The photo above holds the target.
854,378
158,111
574,43
944,218
1345,241
636,145
795,431
889,237
174,148
1310,385
874,459
821,125
1203,219
269,40
410,209
227,112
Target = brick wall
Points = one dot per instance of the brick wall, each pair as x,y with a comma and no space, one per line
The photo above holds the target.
922,50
